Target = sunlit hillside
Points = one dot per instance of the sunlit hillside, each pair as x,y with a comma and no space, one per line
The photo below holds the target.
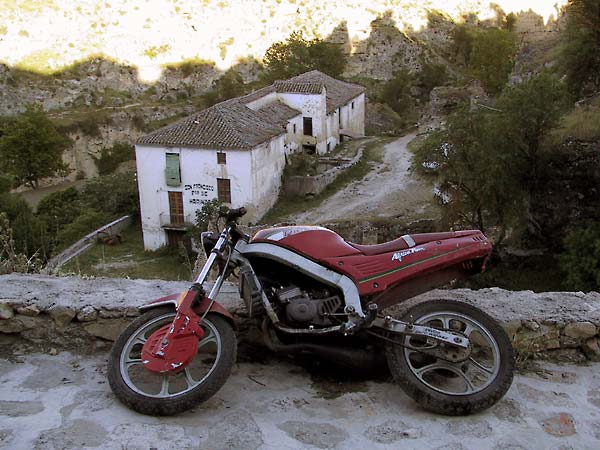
47,35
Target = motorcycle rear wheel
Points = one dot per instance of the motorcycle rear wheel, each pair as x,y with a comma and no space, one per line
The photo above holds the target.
454,388
157,395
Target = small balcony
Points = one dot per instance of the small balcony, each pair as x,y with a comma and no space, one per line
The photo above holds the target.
177,221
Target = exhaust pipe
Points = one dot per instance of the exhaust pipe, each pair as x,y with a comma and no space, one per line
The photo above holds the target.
353,358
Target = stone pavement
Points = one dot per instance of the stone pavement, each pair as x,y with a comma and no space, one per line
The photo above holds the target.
63,401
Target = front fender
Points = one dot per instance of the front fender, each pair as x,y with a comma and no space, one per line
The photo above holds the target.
199,309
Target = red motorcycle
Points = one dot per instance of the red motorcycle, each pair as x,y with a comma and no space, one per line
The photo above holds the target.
311,291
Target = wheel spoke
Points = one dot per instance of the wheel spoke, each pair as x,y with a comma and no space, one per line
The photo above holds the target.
445,323
207,339
468,330
188,378
470,387
132,362
139,340
164,388
481,366
433,366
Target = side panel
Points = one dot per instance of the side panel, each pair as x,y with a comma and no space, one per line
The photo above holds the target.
375,274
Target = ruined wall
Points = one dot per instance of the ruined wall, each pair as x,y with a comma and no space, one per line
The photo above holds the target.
82,314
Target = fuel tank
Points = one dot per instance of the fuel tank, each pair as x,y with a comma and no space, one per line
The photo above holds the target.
315,242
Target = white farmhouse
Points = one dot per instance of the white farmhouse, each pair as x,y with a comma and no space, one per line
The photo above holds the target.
236,150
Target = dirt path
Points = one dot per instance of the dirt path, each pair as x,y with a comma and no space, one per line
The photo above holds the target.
391,189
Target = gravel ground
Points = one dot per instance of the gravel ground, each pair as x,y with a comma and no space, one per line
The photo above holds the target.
391,189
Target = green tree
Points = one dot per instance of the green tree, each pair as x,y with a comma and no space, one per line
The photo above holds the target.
31,148
230,85
28,232
114,195
492,58
396,92
111,158
59,209
529,111
432,75
490,161
580,261
296,55
580,51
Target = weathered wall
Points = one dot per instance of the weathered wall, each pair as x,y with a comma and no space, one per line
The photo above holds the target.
302,185
85,314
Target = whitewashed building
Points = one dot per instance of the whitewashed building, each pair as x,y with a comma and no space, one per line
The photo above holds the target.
236,150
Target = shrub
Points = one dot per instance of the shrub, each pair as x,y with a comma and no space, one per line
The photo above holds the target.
114,195
110,158
396,92
10,259
88,221
59,209
580,260
432,75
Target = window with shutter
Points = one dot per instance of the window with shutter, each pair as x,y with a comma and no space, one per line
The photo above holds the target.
224,190
176,208
172,171
221,158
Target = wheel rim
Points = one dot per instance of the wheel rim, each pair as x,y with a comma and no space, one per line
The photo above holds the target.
149,384
467,377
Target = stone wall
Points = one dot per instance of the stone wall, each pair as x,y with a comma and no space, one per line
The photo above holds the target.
315,184
84,315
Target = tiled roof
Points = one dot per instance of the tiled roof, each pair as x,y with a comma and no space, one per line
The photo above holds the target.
260,93
299,87
278,113
338,92
232,125
226,125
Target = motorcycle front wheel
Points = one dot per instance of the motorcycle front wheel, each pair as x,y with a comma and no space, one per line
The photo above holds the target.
163,395
442,380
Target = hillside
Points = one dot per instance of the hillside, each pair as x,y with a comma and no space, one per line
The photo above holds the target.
124,75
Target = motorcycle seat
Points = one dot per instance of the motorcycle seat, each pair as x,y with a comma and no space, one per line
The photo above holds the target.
410,240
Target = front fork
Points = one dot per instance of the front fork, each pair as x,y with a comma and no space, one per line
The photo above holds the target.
172,348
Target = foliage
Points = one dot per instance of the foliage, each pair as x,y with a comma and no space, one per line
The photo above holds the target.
463,36
206,215
296,55
60,208
110,158
580,261
301,164
580,52
10,259
230,85
32,148
490,161
114,195
87,221
432,75
28,231
488,54
492,58
396,92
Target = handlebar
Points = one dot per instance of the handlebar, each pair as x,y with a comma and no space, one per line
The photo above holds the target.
231,214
